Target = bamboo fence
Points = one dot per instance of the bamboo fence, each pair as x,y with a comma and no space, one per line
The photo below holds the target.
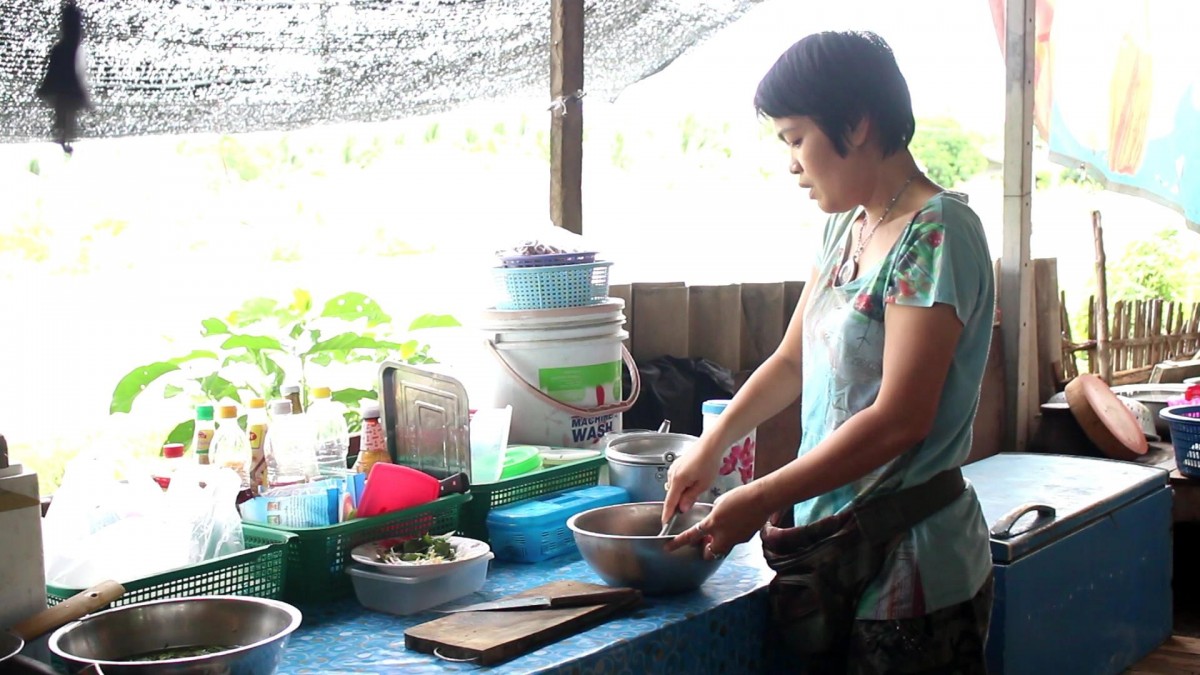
1141,334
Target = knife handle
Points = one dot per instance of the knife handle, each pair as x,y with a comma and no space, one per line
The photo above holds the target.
594,597
458,483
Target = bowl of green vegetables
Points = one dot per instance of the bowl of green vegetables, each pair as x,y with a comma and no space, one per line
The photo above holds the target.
417,557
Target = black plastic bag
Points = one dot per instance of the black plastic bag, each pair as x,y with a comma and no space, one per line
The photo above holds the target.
674,389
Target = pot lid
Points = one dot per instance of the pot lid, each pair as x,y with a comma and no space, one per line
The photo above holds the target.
648,447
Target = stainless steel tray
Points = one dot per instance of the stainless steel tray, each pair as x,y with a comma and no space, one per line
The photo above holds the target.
426,418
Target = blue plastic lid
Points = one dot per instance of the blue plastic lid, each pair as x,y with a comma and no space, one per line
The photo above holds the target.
556,507
715,406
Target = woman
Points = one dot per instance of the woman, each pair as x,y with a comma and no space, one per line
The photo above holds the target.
886,349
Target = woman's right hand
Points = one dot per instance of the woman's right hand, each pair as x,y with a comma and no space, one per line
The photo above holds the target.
691,475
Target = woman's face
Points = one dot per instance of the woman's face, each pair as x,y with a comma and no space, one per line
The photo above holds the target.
835,182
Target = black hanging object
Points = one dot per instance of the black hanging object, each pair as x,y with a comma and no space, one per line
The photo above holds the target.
63,87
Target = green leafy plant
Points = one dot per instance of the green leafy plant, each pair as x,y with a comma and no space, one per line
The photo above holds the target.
949,154
265,343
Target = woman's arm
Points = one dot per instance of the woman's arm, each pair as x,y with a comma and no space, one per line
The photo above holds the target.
917,352
772,387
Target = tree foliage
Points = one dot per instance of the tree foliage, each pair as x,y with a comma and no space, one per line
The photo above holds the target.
1155,266
949,154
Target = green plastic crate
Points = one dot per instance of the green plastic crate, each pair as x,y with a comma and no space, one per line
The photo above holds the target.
317,556
259,571
488,496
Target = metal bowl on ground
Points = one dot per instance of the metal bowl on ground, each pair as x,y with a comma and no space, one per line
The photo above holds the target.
208,635
621,544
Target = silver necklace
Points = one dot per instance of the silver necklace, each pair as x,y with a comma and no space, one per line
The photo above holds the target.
849,269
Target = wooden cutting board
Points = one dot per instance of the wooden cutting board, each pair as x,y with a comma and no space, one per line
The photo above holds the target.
1105,420
487,638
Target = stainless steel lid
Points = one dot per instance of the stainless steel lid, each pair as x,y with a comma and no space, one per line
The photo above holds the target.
647,447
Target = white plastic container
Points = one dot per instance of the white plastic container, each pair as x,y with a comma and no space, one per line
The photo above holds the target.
560,370
737,462
406,595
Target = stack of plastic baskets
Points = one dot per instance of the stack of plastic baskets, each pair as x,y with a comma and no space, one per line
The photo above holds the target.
1185,436
550,281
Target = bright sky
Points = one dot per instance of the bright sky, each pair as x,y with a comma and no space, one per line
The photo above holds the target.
956,72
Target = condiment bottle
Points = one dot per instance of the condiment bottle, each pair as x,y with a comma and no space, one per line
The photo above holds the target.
256,430
172,457
205,428
231,445
374,446
292,393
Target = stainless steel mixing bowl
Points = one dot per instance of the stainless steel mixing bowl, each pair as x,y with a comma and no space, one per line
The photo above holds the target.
254,630
622,545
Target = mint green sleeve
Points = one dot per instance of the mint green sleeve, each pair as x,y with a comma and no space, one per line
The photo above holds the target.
940,261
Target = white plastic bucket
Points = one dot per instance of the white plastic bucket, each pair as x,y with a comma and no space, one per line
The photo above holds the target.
560,370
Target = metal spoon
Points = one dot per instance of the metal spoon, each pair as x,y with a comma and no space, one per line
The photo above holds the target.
670,523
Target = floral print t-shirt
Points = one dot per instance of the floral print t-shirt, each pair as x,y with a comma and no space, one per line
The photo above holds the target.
941,257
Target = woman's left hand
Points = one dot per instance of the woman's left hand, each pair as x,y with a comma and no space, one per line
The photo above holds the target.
735,517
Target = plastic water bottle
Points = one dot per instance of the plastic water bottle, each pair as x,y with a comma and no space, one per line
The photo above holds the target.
230,444
290,449
330,430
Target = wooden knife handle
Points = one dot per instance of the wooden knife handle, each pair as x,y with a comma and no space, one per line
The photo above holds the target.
75,607
595,597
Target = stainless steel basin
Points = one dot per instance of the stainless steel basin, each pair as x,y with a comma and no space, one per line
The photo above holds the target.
253,632
622,545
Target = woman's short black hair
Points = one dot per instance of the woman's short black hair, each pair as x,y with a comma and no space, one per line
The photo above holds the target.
837,78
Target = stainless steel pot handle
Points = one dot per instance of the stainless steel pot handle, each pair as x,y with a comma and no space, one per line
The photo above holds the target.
1003,527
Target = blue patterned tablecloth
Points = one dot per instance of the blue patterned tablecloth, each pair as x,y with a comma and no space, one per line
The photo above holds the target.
718,628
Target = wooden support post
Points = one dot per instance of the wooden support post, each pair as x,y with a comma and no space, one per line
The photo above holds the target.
1017,320
1050,373
1102,345
566,115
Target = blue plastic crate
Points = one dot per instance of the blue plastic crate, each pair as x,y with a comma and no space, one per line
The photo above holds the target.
536,529
552,287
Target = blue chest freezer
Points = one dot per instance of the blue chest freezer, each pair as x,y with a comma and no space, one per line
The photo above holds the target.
1087,588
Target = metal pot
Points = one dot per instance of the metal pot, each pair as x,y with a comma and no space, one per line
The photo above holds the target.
638,462
255,630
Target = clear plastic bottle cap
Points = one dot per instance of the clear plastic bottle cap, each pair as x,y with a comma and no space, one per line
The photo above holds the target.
370,410
258,403
227,412
320,392
283,407
173,450
289,389
204,412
